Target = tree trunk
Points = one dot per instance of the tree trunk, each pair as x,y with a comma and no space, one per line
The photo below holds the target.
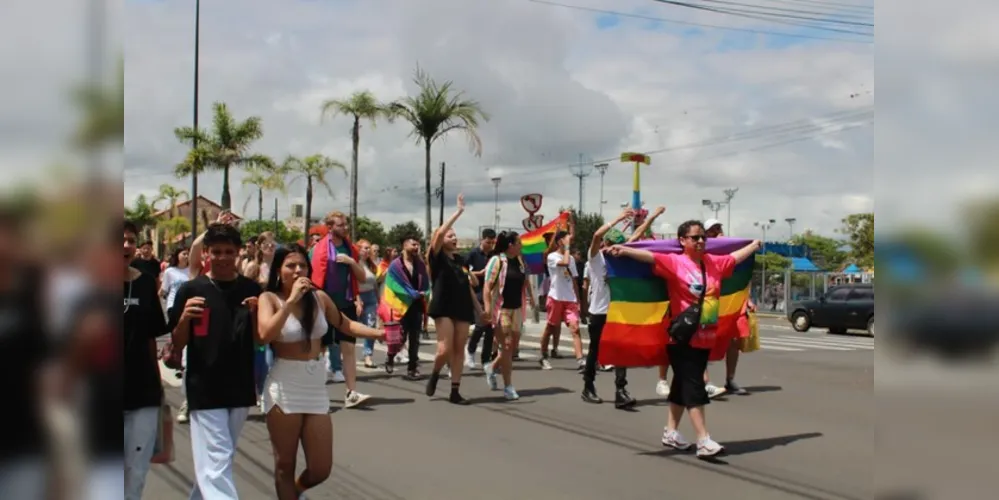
428,231
356,139
260,203
308,206
226,200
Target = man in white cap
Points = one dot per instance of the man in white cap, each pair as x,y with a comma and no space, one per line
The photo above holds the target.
713,228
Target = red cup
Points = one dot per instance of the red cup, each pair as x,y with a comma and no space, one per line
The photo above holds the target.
201,324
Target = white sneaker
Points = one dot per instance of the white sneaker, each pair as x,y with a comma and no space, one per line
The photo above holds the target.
662,388
260,405
182,413
470,361
707,447
673,439
401,359
545,364
491,377
337,377
354,398
714,391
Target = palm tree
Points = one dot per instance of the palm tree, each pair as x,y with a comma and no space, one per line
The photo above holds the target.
361,106
436,110
103,110
141,214
314,169
265,177
226,145
170,195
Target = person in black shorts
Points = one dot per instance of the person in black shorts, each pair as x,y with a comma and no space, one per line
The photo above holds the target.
452,304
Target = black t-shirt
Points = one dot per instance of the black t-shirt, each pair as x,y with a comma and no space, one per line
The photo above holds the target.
23,348
150,267
452,297
219,370
476,261
143,323
513,288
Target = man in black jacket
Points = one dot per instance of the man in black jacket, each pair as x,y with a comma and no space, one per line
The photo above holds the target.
476,261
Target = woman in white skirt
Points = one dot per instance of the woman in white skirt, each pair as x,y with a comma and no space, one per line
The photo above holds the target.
292,317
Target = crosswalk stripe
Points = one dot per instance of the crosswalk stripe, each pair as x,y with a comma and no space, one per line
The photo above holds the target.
766,345
808,345
846,342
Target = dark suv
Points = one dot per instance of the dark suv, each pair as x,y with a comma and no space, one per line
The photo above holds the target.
842,308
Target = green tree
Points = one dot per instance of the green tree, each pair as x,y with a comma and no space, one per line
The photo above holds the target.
173,228
172,196
436,110
859,232
935,251
281,231
586,226
314,170
983,230
265,176
825,252
226,145
371,230
774,263
103,108
404,230
141,214
360,106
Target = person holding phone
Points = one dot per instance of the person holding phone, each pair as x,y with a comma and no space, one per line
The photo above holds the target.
214,317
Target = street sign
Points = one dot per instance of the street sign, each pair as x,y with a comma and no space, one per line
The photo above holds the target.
533,222
531,202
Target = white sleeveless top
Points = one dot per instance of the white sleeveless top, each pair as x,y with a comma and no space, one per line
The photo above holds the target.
293,331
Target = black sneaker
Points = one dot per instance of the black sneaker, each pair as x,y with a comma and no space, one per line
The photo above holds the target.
590,396
455,398
432,384
623,400
733,388
555,354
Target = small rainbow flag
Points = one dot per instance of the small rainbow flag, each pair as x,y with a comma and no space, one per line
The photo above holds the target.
398,293
533,244
635,332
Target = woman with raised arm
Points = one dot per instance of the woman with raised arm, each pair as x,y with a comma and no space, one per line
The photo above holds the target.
451,305
693,281
292,317
505,295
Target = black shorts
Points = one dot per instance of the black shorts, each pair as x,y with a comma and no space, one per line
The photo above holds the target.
688,364
336,336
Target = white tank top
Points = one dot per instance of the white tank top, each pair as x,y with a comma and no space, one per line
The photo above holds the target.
293,331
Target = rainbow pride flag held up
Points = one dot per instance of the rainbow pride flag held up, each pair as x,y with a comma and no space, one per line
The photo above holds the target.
635,332
398,293
533,244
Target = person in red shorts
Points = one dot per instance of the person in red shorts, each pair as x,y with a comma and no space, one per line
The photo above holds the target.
562,304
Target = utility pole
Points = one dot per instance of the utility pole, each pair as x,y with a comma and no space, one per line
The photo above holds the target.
496,183
729,194
581,172
602,168
790,228
194,143
440,193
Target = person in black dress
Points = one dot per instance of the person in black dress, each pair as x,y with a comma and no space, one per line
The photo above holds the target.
452,304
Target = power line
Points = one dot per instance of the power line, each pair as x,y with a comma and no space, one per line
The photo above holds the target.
697,24
788,19
581,171
791,10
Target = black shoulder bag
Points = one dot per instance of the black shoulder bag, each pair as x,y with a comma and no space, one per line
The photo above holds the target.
684,325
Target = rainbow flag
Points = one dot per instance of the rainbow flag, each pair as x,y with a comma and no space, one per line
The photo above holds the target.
635,332
398,292
533,244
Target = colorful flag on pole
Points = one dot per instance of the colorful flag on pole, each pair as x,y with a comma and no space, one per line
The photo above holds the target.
533,243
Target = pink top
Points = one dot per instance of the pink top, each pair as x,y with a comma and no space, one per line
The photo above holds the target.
683,282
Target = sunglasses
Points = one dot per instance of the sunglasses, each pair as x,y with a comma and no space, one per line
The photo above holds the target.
697,237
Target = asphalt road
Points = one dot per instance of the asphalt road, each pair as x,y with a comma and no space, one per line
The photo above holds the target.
806,431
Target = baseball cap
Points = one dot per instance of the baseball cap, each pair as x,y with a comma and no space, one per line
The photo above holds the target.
710,223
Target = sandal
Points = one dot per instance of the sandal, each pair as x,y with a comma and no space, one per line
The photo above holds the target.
389,366
368,363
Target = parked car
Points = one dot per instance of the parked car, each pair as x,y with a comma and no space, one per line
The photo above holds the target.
842,308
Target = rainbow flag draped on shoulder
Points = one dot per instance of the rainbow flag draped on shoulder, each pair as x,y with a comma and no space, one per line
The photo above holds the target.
533,244
635,332
398,292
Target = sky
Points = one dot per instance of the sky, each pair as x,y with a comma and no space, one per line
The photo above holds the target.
789,121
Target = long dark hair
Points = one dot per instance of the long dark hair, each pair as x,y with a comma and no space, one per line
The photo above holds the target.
175,256
309,301
505,240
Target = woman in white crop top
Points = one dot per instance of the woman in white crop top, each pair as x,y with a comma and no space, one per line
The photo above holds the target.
292,317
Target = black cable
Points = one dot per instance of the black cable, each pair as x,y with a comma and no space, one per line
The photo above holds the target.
829,4
782,19
697,24
823,14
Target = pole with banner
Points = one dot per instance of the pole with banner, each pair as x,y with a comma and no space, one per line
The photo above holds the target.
532,204
638,159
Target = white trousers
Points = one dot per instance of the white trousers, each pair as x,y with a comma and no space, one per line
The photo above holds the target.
141,427
214,434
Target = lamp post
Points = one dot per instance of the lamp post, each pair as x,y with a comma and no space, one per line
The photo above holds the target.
602,168
764,226
716,206
496,183
790,227
194,142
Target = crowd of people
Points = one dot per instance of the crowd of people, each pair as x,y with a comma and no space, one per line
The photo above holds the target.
258,323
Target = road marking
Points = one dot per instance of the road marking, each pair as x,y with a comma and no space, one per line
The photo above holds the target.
857,344
807,345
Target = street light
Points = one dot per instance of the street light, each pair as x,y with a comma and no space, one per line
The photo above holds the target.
712,205
602,168
764,226
790,227
716,206
496,178
194,142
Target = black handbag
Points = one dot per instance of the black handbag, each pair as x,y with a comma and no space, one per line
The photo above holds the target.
684,325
